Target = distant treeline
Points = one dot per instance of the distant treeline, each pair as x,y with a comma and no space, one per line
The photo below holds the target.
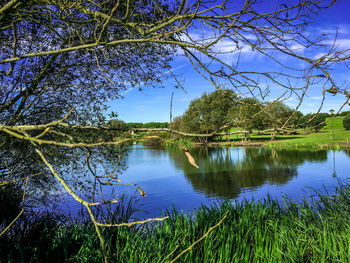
343,113
213,110
147,125
121,125
121,128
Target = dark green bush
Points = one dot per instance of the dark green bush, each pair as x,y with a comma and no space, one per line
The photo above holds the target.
152,142
346,122
10,203
316,121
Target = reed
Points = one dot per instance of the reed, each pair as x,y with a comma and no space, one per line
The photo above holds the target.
315,230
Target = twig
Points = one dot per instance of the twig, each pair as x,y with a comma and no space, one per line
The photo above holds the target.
133,223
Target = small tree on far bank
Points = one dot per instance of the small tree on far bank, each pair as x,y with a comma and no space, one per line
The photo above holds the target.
346,122
316,121
298,120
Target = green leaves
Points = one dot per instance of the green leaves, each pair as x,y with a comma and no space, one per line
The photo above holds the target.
209,112
346,122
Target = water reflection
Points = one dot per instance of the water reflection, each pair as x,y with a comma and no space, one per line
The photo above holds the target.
347,152
224,172
230,173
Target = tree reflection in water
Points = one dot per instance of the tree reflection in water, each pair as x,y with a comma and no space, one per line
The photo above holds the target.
224,172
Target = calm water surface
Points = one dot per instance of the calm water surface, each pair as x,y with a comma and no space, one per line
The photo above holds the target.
233,173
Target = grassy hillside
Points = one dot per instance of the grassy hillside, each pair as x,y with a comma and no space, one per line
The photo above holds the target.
324,137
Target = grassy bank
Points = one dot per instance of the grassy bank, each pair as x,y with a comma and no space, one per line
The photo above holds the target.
304,139
321,139
324,138
312,231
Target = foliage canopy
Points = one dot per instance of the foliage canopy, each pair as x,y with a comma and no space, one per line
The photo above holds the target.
209,112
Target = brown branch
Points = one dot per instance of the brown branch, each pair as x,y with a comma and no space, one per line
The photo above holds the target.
133,223
7,6
98,44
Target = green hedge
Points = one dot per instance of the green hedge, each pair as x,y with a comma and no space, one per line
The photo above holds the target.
346,122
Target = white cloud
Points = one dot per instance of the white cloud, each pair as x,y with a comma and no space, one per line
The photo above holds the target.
339,43
126,91
250,37
223,46
297,47
316,98
341,29
229,52
227,46
139,108
319,55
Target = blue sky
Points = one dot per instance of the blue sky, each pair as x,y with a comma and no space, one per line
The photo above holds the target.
152,104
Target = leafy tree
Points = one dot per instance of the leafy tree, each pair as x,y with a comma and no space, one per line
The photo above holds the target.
134,125
277,114
148,125
118,127
209,112
250,115
39,89
156,125
298,120
344,113
316,121
346,122
176,123
117,124
51,84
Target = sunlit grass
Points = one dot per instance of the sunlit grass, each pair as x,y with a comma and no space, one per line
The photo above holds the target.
323,138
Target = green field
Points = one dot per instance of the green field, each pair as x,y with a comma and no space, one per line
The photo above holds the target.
322,138
319,139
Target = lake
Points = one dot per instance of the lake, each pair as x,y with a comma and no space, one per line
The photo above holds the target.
225,173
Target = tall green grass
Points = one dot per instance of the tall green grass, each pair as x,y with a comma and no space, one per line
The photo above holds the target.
173,143
315,230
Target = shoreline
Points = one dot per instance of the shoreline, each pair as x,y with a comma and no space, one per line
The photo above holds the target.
278,144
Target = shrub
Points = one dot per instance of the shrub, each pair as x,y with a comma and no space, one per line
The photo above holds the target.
125,135
346,122
152,142
316,122
10,203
